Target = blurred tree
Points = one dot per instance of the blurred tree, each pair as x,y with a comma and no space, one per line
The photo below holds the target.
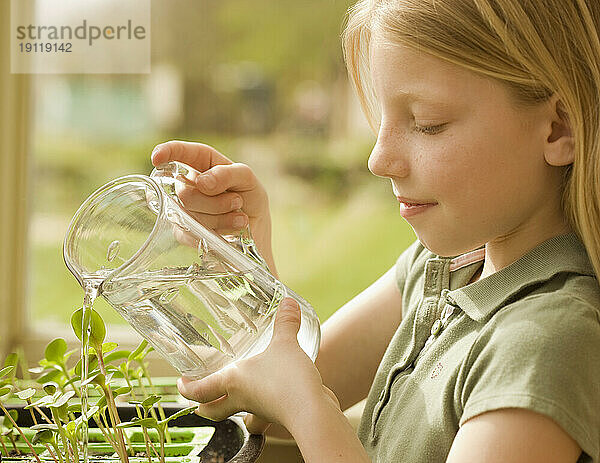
241,61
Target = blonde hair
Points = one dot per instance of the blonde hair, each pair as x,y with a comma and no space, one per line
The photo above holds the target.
537,47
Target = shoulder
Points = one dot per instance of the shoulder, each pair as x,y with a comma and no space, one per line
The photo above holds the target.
543,330
566,306
541,353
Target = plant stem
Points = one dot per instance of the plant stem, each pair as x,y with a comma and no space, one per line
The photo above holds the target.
154,449
61,432
106,434
12,441
51,452
161,412
146,439
3,446
20,432
74,448
42,414
161,439
112,409
31,411
57,450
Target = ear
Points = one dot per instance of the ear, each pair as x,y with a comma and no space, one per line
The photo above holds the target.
559,149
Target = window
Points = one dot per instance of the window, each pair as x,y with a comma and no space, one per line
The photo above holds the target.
264,83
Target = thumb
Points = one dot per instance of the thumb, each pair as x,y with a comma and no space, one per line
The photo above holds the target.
255,424
287,320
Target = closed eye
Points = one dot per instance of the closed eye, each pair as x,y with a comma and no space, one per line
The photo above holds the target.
429,129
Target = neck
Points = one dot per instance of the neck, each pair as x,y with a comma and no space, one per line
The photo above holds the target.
502,252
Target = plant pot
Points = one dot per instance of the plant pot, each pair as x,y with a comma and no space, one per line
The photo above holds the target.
230,441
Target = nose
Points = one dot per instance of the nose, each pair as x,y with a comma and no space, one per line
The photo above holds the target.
387,158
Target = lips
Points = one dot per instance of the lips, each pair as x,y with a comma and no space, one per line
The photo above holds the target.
414,202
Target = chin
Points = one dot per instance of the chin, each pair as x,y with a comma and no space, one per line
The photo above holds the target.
446,246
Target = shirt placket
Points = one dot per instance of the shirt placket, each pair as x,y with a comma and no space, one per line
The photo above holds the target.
436,283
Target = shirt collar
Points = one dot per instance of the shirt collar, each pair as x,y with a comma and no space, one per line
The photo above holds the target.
563,253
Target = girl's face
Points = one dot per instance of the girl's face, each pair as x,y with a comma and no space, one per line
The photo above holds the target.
458,143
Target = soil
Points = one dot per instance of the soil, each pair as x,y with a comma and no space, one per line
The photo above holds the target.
213,457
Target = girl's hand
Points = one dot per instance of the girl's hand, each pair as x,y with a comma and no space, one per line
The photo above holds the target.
275,386
225,196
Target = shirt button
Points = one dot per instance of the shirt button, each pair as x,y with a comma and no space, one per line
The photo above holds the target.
449,310
436,328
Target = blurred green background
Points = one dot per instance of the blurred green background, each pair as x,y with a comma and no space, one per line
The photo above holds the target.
264,82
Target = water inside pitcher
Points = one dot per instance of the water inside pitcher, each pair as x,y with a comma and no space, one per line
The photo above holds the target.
201,300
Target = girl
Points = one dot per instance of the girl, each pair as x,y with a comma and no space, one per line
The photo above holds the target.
482,343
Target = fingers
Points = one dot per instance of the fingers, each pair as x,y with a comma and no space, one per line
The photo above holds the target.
211,392
255,424
287,321
203,390
217,410
218,172
232,177
195,201
223,224
196,155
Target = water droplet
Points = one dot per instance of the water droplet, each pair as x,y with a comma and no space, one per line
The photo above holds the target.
169,295
154,206
202,247
175,217
113,250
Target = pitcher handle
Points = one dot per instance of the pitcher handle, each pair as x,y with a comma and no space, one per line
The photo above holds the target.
177,171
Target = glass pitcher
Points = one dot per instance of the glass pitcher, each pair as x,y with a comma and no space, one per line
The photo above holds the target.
202,300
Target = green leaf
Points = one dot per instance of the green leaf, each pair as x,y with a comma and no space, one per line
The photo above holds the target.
71,427
11,360
44,426
50,388
144,422
121,390
73,379
109,347
56,350
45,436
63,399
26,394
116,355
101,404
5,390
92,364
6,371
112,369
185,411
98,329
14,415
96,377
36,370
42,402
138,350
74,408
48,376
149,401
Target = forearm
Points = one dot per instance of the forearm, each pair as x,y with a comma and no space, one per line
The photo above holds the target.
323,433
354,339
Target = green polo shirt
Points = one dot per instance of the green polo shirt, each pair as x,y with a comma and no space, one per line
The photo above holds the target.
527,336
